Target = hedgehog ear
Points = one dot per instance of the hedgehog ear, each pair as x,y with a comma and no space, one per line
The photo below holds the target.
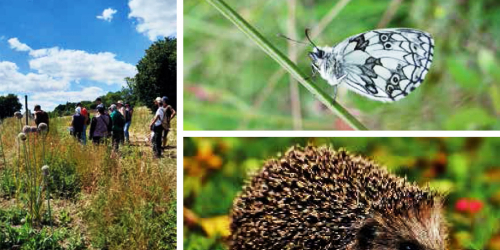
367,234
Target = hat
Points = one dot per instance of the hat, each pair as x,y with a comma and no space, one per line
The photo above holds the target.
112,107
120,102
158,99
165,99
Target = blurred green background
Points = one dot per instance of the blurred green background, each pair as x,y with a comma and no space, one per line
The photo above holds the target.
229,83
468,169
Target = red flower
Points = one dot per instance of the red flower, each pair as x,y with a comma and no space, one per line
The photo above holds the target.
462,205
469,205
475,206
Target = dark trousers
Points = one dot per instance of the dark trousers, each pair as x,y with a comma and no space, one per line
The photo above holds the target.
165,134
78,135
117,139
157,140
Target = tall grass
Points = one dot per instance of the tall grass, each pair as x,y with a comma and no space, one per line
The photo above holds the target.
125,200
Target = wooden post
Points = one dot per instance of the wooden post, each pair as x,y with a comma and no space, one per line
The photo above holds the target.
26,106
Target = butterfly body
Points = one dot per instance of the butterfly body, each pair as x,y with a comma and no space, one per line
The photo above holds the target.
384,65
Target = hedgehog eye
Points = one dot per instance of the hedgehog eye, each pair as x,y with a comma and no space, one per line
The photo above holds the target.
366,235
408,246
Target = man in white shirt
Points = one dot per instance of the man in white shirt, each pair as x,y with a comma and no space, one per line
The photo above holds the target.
157,128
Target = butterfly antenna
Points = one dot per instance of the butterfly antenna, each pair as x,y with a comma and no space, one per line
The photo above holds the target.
308,38
290,39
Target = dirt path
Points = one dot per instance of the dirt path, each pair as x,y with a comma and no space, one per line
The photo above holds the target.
143,140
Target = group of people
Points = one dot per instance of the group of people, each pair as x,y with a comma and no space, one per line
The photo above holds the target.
114,122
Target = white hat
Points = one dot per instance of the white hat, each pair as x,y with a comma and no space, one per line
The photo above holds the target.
158,99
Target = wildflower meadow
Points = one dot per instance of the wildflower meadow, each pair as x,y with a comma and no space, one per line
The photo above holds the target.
56,193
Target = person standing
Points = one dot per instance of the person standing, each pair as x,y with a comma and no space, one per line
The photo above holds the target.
99,103
118,122
41,116
100,127
169,113
121,109
86,122
157,127
128,121
77,124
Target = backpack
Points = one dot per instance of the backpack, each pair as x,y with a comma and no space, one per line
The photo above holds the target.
165,122
119,121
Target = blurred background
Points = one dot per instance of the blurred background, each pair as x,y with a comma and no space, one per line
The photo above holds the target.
229,83
468,169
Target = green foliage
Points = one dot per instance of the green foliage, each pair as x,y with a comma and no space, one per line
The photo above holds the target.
64,181
9,104
232,84
7,183
157,73
156,224
14,233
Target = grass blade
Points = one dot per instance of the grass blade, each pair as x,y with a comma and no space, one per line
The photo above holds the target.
275,54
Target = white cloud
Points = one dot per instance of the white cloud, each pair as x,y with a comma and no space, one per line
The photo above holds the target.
49,100
156,18
11,80
15,44
53,70
107,14
75,65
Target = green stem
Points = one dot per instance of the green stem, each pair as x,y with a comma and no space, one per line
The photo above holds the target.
288,65
48,199
28,182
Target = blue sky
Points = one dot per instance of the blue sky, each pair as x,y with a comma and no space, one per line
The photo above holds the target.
57,50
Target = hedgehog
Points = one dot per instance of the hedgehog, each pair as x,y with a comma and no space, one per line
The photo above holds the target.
319,198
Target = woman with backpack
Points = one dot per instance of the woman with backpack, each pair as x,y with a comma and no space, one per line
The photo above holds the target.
100,127
169,114
118,122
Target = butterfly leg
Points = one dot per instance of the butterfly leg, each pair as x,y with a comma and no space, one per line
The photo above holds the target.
313,75
335,87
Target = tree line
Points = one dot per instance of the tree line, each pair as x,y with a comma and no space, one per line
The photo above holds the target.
156,76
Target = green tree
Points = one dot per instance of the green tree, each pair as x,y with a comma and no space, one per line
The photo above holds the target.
8,105
157,73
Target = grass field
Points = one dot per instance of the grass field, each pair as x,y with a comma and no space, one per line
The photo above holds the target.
99,199
466,169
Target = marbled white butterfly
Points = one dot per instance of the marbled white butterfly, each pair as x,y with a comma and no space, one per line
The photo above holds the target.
384,65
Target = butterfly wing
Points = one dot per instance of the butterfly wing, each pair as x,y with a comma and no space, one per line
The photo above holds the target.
385,64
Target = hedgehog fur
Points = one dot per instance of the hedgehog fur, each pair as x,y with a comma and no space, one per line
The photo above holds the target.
318,198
